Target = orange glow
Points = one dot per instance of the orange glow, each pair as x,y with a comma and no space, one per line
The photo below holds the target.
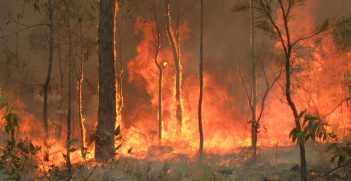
318,85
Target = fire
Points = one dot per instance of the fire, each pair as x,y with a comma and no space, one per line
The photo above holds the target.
225,129
318,86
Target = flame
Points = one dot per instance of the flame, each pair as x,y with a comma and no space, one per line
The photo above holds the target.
318,86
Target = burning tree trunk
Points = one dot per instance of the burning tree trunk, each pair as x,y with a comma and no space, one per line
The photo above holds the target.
201,83
104,143
157,36
48,77
80,98
119,65
254,83
170,34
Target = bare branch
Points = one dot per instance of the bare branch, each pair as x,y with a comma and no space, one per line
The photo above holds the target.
247,92
268,88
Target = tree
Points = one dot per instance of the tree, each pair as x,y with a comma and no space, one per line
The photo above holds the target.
69,91
254,125
157,35
104,143
172,40
252,96
269,24
201,81
48,75
80,96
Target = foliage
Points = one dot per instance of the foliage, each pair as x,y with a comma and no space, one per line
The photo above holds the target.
342,34
341,153
17,154
312,128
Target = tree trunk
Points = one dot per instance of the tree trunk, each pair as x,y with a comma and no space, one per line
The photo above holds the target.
48,77
170,34
157,48
104,143
296,115
80,97
119,65
201,85
69,93
254,83
291,103
59,129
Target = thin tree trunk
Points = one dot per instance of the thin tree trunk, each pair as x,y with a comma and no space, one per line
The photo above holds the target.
69,93
48,77
61,87
295,113
254,83
170,34
104,143
157,48
119,65
201,84
80,96
288,93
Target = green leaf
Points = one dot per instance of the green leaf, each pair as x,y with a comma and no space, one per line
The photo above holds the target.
3,101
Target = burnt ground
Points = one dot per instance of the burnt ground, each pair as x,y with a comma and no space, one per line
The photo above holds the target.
272,164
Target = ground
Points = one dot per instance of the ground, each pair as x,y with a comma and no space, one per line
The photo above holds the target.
272,164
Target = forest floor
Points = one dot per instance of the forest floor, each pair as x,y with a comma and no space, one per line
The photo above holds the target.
272,164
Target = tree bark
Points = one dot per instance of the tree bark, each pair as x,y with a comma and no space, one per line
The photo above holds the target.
201,84
254,83
170,34
48,77
104,143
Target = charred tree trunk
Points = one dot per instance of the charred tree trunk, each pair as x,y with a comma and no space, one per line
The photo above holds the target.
170,34
254,125
48,77
104,143
201,83
69,92
80,96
